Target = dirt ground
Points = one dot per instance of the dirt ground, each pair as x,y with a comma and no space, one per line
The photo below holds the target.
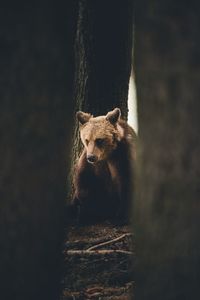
99,262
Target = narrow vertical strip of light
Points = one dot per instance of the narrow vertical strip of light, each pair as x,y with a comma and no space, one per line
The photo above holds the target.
132,104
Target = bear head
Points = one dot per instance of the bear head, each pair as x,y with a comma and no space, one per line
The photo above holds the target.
100,135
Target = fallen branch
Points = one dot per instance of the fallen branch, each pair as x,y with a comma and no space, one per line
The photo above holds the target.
96,252
109,242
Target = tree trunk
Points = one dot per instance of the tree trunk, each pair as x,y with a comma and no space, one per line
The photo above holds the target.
167,203
103,50
35,115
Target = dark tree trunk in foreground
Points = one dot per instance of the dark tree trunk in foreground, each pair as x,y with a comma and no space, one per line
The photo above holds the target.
167,214
35,116
103,58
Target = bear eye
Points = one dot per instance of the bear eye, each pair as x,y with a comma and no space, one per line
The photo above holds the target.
87,142
99,142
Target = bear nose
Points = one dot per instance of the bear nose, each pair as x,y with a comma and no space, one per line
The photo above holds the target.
91,158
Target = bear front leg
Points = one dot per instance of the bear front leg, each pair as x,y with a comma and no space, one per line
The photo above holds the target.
72,211
81,204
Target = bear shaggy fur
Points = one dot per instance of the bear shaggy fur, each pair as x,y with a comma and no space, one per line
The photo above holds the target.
103,177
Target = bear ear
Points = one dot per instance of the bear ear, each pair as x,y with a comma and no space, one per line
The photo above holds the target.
83,117
113,116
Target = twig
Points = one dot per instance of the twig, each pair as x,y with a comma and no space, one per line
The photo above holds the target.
90,243
109,242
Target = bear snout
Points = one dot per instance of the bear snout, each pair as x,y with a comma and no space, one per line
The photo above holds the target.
91,158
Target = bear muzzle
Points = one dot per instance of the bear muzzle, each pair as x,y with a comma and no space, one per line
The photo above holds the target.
91,158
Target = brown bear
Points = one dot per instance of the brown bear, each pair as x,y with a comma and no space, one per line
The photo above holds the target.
103,177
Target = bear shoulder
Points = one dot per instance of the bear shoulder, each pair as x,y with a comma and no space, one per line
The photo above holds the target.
126,131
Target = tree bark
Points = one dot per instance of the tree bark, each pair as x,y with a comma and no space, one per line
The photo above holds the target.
167,203
35,123
103,50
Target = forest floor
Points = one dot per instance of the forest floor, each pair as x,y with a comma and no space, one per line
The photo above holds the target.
99,262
